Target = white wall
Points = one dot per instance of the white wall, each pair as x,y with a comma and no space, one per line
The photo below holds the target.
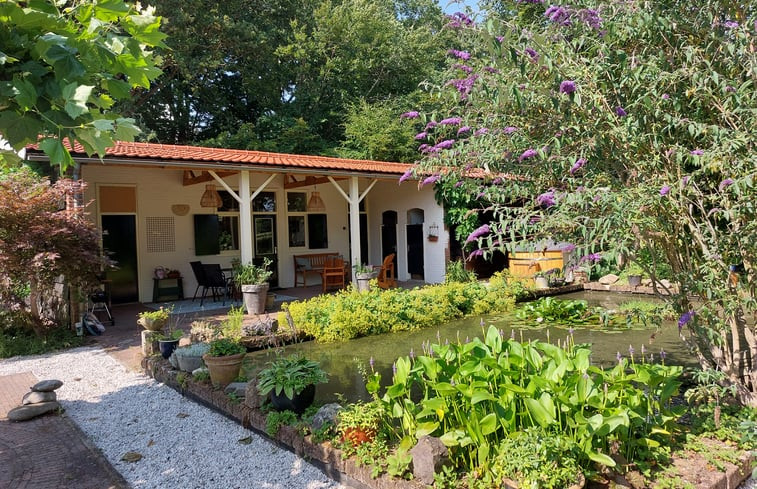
158,189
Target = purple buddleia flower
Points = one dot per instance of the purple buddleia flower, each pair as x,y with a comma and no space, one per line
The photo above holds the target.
664,190
730,24
558,15
532,54
463,130
458,184
464,55
592,257
529,153
665,96
509,129
696,152
413,114
580,162
491,69
547,199
685,318
421,135
620,111
406,175
729,89
423,148
430,180
725,183
591,18
446,144
481,131
481,231
497,181
451,121
499,38
685,180
431,125
568,248
476,253
462,67
567,87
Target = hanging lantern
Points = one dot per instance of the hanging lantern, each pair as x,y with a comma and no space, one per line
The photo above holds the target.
211,197
315,204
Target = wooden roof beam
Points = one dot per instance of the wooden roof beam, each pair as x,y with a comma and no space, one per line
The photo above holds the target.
308,181
190,178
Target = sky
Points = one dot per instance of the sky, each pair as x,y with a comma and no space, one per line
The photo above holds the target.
452,6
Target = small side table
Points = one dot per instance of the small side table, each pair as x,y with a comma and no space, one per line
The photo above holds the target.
167,289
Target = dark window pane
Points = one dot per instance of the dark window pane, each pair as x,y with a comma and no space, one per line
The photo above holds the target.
317,231
264,202
206,234
230,204
228,237
296,231
297,201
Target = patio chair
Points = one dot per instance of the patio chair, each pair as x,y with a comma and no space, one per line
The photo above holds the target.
216,282
386,277
199,273
333,273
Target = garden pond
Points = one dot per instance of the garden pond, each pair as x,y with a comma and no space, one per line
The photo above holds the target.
343,361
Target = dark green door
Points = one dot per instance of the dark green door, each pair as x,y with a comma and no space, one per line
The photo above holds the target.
120,244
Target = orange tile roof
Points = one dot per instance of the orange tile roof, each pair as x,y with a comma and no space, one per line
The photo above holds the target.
199,154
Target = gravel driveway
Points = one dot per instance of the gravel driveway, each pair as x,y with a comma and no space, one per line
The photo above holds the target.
182,444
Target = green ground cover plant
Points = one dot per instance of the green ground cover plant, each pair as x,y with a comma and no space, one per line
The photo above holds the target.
17,342
349,314
483,397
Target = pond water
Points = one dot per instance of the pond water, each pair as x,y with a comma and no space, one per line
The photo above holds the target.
342,361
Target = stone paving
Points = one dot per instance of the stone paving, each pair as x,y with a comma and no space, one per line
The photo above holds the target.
48,452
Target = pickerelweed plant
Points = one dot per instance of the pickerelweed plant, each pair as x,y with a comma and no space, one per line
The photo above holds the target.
625,128
475,395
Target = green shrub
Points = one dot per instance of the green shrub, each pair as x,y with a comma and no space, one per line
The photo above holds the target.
17,342
350,314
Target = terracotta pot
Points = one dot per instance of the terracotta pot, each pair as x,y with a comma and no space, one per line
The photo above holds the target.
357,436
223,370
254,298
151,324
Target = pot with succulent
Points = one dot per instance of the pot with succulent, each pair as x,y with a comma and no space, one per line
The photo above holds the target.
153,322
363,276
291,382
189,357
253,281
358,423
224,359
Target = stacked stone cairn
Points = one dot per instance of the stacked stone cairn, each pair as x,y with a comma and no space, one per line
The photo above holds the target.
40,400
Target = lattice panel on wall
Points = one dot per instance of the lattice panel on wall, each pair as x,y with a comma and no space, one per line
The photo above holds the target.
160,234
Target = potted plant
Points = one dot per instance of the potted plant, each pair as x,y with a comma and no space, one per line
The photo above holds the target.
358,423
634,272
253,281
153,320
363,276
168,341
541,281
224,359
189,357
291,382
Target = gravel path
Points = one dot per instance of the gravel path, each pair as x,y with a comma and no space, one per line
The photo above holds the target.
182,443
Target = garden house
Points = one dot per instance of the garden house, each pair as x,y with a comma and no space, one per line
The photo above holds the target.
166,206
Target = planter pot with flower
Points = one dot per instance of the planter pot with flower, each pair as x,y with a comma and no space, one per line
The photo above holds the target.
634,272
358,423
253,282
363,276
224,359
541,281
291,382
153,322
189,357
167,343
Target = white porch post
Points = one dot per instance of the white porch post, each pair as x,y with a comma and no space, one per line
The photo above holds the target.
354,225
245,217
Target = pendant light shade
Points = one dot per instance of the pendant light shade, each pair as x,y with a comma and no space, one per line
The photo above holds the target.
211,198
315,204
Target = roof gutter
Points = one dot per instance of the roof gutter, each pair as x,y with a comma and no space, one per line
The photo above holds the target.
187,165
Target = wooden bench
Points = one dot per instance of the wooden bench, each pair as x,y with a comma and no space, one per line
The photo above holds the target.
310,263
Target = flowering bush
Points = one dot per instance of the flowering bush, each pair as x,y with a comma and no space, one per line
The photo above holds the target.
627,129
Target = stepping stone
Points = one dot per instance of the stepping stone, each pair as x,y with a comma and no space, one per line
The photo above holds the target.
24,413
35,397
47,385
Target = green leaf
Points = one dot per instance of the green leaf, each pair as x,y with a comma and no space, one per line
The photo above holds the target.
601,458
538,412
452,438
76,99
481,395
26,93
58,154
488,424
19,130
426,428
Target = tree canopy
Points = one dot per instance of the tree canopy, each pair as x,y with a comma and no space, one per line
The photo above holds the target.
64,67
625,129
